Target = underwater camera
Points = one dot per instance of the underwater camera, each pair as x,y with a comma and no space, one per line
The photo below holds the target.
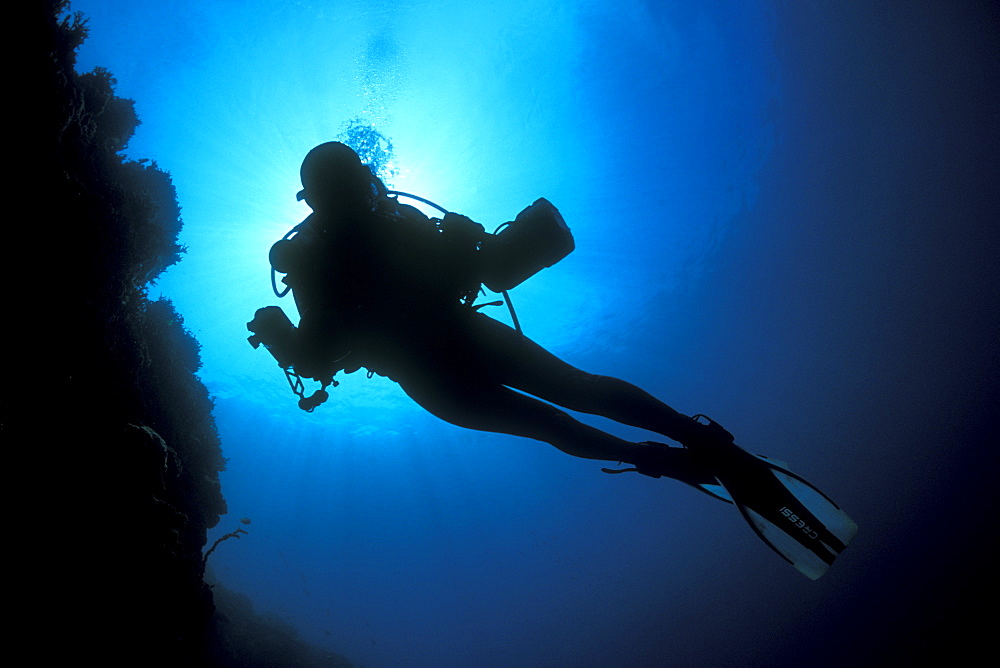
271,328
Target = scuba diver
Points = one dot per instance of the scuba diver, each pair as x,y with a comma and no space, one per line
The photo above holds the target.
379,285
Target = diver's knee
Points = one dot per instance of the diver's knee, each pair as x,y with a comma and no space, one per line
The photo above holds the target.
593,385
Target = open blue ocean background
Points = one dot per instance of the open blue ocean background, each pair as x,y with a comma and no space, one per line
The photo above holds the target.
786,218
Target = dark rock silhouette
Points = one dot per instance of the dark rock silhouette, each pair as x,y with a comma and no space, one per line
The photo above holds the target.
109,431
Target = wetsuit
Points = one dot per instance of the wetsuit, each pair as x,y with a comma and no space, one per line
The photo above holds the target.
379,282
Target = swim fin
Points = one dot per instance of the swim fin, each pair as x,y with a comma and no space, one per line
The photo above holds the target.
791,515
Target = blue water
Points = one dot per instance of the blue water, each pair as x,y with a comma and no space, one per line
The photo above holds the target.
785,218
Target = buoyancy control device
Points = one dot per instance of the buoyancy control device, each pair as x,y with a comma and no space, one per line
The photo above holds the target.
537,238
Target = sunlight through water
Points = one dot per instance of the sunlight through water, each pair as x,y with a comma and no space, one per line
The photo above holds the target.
645,123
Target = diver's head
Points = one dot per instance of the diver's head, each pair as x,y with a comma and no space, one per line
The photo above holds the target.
334,179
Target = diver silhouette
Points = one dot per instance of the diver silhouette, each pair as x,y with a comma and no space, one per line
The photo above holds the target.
379,285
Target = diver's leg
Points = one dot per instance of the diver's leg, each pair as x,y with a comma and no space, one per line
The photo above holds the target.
518,362
499,409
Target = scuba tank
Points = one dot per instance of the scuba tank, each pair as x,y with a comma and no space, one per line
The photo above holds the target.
537,238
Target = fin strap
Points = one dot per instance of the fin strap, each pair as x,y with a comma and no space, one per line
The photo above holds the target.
631,470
